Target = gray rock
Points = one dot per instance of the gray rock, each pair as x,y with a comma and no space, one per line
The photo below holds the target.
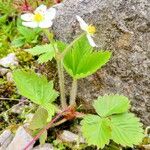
46,146
21,139
9,60
5,139
68,136
124,28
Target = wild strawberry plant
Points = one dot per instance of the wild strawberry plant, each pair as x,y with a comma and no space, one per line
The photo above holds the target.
112,120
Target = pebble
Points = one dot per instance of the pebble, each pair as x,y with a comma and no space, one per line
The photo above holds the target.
5,139
3,71
68,136
21,139
9,77
9,60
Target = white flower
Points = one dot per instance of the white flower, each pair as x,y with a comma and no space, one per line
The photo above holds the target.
89,29
42,17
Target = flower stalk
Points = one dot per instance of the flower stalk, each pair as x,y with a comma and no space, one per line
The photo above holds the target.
61,83
60,69
73,93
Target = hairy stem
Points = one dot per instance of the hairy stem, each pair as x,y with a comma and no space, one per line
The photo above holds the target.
61,83
44,129
60,70
73,93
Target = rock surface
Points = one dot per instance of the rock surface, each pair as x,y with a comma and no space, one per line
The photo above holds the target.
124,28
68,136
21,139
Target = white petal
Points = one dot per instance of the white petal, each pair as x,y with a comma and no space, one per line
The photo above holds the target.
30,24
91,41
41,9
45,24
83,24
27,17
51,13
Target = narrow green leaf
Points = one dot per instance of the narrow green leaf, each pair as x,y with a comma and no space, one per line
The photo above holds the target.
126,129
39,119
29,34
96,130
34,87
18,42
111,104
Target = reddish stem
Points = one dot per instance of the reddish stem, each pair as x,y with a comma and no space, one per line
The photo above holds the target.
57,1
25,2
46,128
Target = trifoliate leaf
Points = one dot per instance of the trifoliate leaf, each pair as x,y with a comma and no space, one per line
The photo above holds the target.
39,119
34,87
96,130
45,52
126,129
111,104
81,61
51,109
43,138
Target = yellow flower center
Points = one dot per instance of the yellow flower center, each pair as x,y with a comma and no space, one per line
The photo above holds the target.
91,29
38,17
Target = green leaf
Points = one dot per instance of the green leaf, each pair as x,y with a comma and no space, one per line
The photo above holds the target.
3,19
34,87
43,138
18,42
40,49
111,104
45,52
51,109
81,61
39,119
46,57
29,34
126,129
96,130
61,45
